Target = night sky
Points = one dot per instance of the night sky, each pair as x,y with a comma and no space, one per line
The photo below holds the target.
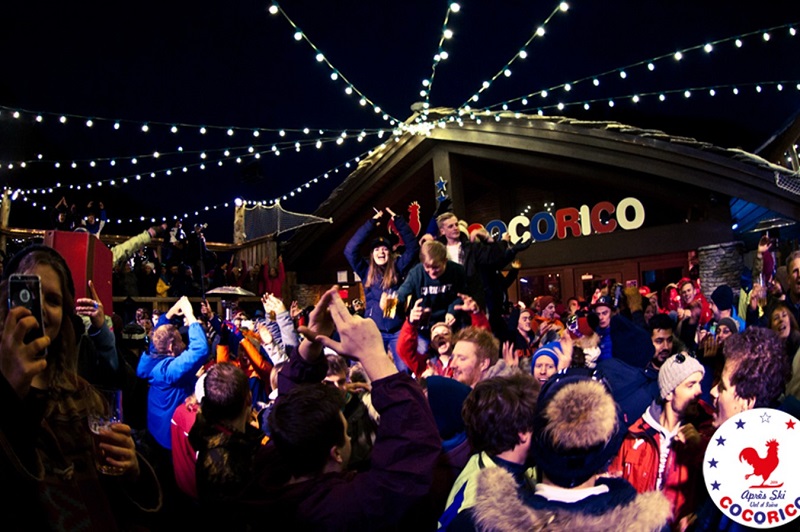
234,65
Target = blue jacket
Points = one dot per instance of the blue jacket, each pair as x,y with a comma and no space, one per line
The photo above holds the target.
172,380
360,265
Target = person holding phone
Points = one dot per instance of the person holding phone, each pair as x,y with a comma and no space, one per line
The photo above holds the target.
47,468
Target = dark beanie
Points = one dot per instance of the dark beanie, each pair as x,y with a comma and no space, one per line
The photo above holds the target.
577,427
723,297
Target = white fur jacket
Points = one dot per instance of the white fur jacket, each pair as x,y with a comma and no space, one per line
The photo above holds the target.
499,508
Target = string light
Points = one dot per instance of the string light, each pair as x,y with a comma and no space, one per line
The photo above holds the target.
539,32
441,55
116,123
336,74
650,63
328,136
662,95
251,151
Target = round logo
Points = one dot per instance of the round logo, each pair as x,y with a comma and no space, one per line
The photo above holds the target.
24,295
751,468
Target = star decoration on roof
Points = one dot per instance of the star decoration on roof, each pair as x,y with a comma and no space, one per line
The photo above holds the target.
715,485
790,424
712,463
720,441
765,418
740,424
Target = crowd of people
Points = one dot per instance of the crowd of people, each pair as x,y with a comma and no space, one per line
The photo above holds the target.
435,403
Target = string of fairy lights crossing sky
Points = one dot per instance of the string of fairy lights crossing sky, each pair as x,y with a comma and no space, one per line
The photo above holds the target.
336,75
623,72
299,138
562,7
26,196
441,55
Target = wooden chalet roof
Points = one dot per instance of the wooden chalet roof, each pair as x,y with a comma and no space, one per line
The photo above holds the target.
551,143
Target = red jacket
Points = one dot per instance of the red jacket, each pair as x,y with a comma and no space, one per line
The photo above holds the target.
682,482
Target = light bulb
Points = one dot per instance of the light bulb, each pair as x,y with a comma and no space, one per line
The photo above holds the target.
651,67
678,56
708,48
320,58
455,8
448,34
298,35
540,31
273,9
523,54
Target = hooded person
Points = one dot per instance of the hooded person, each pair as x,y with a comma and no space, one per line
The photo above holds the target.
575,435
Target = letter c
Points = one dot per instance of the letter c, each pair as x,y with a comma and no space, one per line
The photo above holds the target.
515,222
597,221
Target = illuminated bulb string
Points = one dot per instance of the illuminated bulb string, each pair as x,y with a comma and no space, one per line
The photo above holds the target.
92,163
350,89
202,165
521,54
441,55
711,90
23,195
650,63
147,126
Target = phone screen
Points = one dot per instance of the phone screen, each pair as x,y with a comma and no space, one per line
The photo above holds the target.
24,290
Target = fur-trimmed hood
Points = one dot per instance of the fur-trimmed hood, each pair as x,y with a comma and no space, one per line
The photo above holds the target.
499,508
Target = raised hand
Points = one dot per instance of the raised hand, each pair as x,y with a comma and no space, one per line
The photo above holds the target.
272,304
564,352
378,215
468,305
359,338
295,310
91,308
21,362
417,312
392,214
320,323
510,355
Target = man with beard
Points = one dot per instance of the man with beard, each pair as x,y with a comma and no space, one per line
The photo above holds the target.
663,450
661,327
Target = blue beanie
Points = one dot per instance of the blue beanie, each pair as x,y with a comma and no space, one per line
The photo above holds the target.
548,350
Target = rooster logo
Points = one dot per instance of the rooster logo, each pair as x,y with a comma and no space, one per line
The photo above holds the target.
762,467
414,223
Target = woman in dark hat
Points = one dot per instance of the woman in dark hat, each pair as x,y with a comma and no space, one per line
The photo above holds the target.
382,274
47,465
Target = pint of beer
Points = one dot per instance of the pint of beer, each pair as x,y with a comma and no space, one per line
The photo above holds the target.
390,306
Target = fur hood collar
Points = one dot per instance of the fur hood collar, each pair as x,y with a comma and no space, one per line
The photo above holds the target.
499,508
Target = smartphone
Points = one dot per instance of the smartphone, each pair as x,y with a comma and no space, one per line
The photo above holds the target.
25,290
